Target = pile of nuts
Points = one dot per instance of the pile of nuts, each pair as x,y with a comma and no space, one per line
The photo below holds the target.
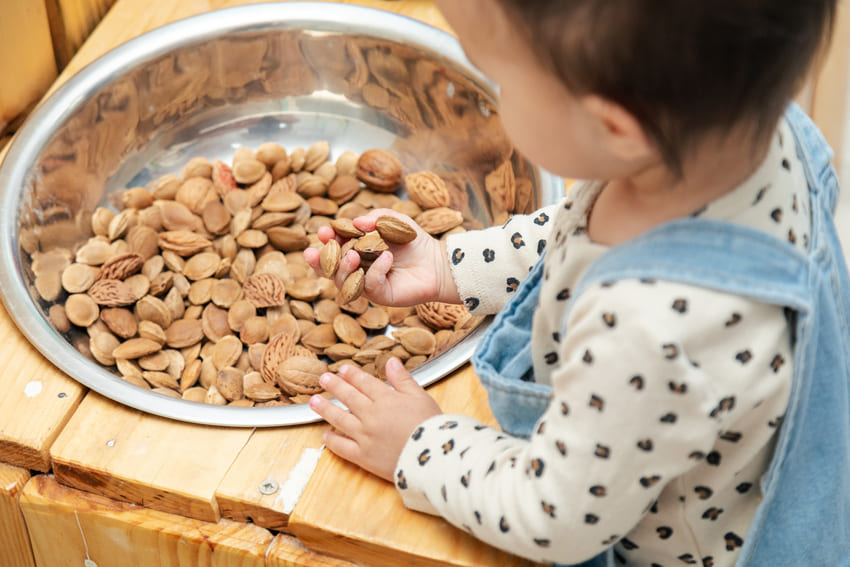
198,288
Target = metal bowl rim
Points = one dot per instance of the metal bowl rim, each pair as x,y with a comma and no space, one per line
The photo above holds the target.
59,106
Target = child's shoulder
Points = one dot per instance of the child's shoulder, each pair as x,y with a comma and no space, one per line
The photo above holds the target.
775,199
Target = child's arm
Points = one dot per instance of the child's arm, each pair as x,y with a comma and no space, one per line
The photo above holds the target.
635,405
488,265
479,268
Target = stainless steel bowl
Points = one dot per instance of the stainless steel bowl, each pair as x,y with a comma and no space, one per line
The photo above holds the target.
293,73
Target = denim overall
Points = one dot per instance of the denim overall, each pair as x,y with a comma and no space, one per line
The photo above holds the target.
804,516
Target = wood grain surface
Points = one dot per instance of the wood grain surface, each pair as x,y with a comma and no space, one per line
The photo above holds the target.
165,465
71,22
67,526
15,549
37,402
269,456
27,66
287,551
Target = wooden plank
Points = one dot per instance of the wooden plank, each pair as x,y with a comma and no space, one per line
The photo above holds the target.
287,551
269,456
26,58
71,22
15,548
38,400
121,453
346,512
67,526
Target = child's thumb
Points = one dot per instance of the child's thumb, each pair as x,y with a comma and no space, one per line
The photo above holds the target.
399,377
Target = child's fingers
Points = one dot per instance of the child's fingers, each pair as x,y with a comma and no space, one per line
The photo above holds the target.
343,446
335,415
366,223
311,255
364,382
376,275
349,262
350,395
400,378
325,233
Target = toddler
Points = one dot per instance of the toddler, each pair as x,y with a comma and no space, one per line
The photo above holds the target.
669,361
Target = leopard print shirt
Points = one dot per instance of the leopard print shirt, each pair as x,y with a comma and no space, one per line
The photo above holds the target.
666,397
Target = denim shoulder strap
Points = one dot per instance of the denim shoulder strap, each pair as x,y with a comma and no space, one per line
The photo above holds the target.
804,516
816,156
713,254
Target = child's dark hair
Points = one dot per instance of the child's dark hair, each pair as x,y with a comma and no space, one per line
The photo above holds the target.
683,68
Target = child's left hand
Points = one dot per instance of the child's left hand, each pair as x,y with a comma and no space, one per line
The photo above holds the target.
379,420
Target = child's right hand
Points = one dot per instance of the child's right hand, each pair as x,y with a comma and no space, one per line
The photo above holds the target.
406,274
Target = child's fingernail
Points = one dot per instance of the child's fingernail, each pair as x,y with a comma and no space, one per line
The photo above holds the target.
315,400
324,379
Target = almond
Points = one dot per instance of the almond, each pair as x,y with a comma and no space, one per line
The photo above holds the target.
144,241
352,287
81,309
183,333
316,155
319,337
222,177
280,348
427,189
111,293
501,187
120,321
348,330
214,323
288,239
370,246
442,315
329,257
270,153
264,290
300,375
281,201
136,348
229,383
183,242
248,171
379,170
77,278
254,330
197,167
343,188
201,266
375,318
121,267
395,230
226,352
262,392
345,228
416,340
439,220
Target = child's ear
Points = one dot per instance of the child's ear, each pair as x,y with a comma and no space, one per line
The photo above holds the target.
620,130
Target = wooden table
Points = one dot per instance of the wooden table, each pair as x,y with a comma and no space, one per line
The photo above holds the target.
84,478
